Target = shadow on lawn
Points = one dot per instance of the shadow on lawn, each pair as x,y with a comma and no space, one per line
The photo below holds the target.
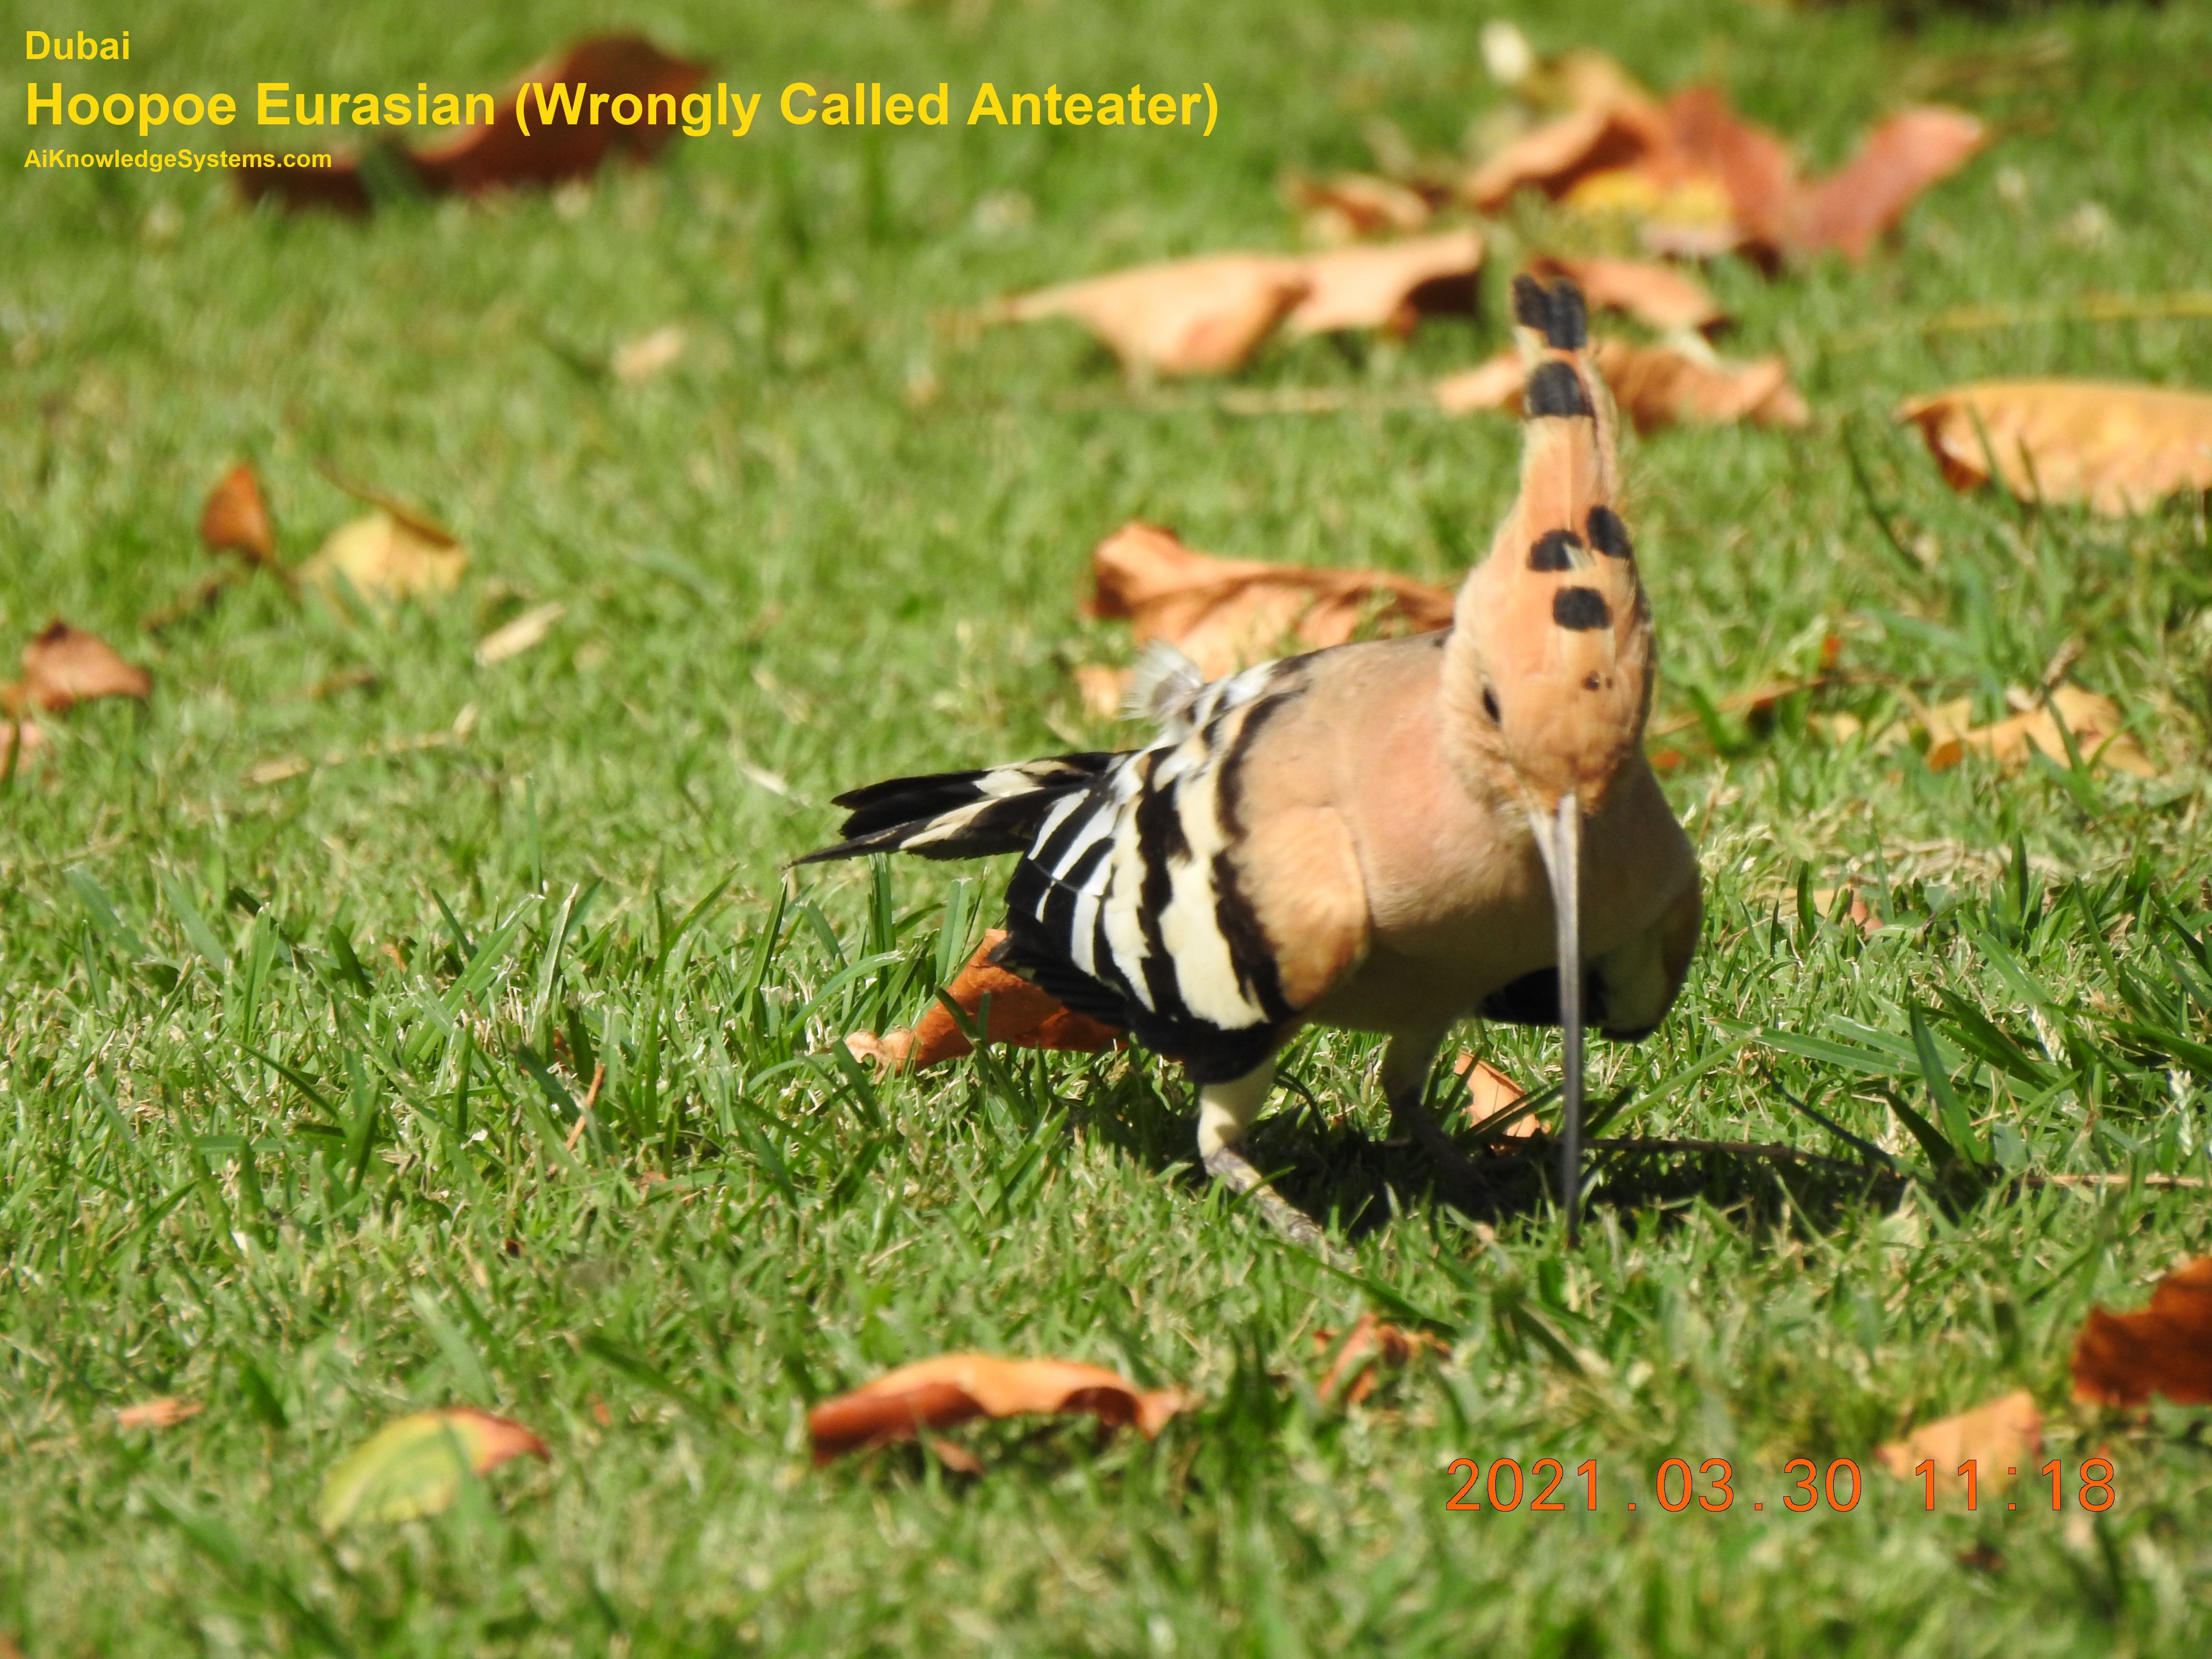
1338,1174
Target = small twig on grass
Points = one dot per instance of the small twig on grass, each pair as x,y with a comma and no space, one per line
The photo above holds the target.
2114,1178
584,1111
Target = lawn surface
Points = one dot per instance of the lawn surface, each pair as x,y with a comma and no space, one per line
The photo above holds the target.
289,1065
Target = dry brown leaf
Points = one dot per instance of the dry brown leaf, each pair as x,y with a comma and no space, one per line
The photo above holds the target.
2121,447
1187,317
1489,1092
1022,1014
2000,1435
1495,384
163,1412
935,1394
2122,1360
64,666
1860,915
1557,156
1862,200
514,638
234,520
385,559
1654,385
1367,1347
647,355
1391,285
501,156
1224,613
1658,386
1657,295
20,742
1347,206
2099,729
1705,180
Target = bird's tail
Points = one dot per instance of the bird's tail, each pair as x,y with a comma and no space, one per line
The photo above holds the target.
959,815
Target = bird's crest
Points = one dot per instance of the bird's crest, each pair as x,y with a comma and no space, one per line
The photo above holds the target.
1549,671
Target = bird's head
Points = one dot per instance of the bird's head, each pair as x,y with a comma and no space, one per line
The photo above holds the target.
1548,673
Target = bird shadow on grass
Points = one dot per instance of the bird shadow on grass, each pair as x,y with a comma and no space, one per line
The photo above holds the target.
1334,1171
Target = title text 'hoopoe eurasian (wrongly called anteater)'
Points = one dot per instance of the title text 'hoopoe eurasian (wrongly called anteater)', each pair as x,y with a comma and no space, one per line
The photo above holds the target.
1385,837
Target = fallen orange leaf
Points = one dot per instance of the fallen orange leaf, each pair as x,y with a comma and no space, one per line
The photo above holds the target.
1659,385
1368,1346
2098,727
1187,317
1706,179
1022,1014
2121,447
1490,1091
1868,195
1223,613
233,519
2122,1360
1999,1435
163,1412
501,155
1207,316
1347,206
1657,295
65,666
1390,285
1654,386
935,1394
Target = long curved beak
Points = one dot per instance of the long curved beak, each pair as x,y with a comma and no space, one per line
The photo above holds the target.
1559,839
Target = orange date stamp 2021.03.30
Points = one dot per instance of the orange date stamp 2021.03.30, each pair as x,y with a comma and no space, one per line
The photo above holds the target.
1551,1488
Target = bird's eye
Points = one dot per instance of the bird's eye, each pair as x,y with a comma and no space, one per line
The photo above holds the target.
1490,704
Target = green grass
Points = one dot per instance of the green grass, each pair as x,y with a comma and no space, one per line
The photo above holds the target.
289,1069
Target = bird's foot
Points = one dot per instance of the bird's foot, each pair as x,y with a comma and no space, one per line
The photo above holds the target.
1468,1186
1227,1164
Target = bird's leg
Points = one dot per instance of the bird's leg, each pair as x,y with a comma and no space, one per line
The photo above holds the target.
1404,1085
1226,1110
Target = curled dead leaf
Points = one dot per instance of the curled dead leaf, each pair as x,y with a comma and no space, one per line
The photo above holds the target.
1703,179
1999,1435
1224,613
234,520
385,558
562,141
2121,447
414,1465
1656,294
1187,317
64,666
2122,1360
1654,386
1207,316
162,1412
1347,206
1021,1013
1391,285
1660,385
935,1394
1366,1349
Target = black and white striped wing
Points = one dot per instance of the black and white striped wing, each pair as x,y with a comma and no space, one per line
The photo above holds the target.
1127,907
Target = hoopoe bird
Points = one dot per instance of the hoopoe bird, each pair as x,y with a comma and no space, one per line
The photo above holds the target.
1384,836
